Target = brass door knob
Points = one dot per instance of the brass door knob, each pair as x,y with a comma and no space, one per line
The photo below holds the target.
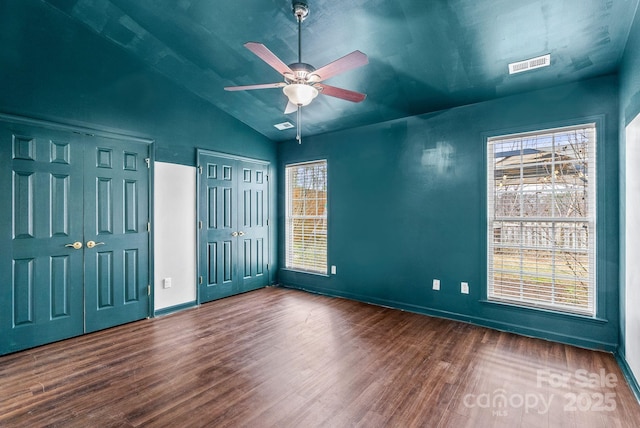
91,244
76,245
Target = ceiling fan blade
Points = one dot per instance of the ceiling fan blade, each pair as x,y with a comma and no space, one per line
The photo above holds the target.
251,87
291,107
347,62
269,57
344,94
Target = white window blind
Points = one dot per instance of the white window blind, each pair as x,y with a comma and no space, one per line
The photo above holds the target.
541,200
306,216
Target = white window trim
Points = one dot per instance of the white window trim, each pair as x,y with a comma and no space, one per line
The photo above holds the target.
315,266
590,220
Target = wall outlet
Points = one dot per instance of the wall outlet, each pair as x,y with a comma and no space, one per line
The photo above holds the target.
436,284
333,270
464,287
166,283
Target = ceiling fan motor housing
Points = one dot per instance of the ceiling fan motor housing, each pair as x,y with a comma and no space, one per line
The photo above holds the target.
302,73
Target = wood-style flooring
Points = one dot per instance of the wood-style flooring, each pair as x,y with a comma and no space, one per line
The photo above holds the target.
284,358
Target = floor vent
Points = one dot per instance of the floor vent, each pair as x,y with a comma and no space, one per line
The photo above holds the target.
529,64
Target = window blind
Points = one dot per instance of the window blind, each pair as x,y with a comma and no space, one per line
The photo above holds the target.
541,201
306,216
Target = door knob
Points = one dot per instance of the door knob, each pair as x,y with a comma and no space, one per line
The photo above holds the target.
76,245
91,244
234,233
240,233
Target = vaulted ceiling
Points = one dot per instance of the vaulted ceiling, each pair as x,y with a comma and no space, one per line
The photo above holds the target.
424,55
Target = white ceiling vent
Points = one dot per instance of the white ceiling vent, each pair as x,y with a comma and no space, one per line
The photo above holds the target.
284,125
530,64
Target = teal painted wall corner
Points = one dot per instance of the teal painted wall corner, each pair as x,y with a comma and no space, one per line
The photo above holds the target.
406,205
629,109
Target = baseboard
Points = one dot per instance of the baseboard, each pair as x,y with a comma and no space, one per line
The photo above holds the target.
175,308
482,322
628,374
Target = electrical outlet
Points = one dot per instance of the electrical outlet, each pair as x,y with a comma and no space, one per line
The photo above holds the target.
166,283
333,270
464,287
436,284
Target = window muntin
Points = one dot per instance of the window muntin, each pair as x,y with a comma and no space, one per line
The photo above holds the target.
306,217
541,200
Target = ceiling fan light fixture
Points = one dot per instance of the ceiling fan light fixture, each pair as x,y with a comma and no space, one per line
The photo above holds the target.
300,94
302,81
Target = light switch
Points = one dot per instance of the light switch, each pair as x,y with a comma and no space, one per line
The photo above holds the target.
436,284
166,283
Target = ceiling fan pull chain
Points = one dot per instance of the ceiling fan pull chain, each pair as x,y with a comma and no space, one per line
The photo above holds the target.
299,125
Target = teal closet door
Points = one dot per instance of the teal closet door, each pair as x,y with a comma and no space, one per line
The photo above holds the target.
73,228
218,227
233,228
253,214
41,273
116,212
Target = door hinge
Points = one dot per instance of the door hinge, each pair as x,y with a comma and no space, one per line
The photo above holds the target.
148,161
200,169
267,222
148,290
267,266
148,226
267,176
200,224
200,280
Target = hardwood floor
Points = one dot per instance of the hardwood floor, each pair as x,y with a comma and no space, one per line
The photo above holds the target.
278,357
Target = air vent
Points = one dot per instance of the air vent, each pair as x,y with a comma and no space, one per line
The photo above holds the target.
284,125
529,64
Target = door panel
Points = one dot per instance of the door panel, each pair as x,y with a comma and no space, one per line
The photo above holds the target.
217,245
115,218
254,230
40,277
232,205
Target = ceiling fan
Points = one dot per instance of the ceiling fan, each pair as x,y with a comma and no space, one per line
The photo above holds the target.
302,82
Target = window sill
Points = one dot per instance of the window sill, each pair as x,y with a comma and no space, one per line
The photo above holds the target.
324,275
546,311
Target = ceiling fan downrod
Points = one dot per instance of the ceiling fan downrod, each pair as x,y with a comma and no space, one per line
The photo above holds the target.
300,11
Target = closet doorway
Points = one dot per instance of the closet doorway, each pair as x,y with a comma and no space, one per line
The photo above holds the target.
74,226
233,214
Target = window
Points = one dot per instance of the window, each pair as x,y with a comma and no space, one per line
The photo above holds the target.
541,219
306,217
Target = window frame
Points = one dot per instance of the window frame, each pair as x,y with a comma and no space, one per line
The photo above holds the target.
288,217
593,161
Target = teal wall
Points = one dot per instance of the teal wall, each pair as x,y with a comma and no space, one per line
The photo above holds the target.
398,220
630,75
629,109
54,68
